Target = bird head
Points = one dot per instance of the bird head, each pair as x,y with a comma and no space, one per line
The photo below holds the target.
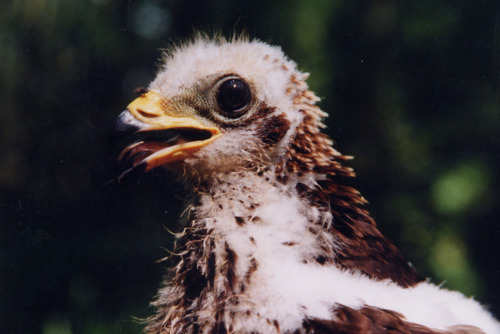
218,106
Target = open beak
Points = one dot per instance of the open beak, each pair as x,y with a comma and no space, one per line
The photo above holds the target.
145,135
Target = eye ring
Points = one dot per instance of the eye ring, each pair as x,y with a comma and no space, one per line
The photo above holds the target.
233,97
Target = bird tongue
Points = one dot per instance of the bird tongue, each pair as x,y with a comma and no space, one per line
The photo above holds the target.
139,151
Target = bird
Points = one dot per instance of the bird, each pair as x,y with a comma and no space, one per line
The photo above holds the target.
274,240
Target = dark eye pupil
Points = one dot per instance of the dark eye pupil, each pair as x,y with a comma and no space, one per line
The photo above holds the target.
233,96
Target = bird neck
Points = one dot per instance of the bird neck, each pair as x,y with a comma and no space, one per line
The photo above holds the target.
240,226
243,227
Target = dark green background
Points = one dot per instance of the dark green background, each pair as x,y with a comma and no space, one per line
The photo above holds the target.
412,89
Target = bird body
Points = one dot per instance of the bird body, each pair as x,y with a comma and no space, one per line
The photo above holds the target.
274,241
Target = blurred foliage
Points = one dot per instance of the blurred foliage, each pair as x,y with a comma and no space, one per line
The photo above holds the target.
412,88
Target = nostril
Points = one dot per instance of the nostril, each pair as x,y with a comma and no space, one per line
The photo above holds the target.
141,91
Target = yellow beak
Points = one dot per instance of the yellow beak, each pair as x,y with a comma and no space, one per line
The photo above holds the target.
155,138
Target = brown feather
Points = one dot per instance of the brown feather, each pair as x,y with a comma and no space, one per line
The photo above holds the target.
363,247
373,320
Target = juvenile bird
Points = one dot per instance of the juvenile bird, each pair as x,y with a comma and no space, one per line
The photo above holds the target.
275,241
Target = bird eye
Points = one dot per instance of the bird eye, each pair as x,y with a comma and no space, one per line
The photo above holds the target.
233,96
